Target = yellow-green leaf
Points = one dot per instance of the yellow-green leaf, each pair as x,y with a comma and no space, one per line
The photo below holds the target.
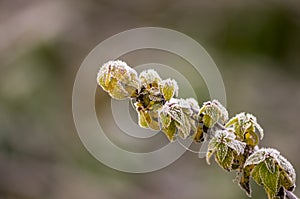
270,180
222,150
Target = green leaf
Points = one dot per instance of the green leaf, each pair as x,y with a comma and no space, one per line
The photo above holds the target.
260,130
153,120
251,138
184,127
287,167
149,77
231,122
270,165
255,174
213,144
256,158
270,180
207,121
165,120
222,150
118,79
142,119
168,88
170,131
227,162
237,146
284,181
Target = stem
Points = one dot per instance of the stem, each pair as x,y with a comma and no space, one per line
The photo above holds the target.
290,195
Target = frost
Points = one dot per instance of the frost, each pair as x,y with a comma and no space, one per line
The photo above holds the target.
168,88
274,170
222,150
224,145
287,167
237,146
233,143
179,111
227,137
272,155
269,179
193,103
260,155
246,128
213,112
118,79
149,77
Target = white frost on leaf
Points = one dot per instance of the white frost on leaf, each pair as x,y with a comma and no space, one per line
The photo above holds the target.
260,155
180,111
287,167
149,77
215,111
236,145
168,88
118,79
245,121
228,138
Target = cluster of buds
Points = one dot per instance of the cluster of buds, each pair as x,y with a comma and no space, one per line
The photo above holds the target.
233,142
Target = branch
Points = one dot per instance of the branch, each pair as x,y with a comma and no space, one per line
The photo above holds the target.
290,195
233,142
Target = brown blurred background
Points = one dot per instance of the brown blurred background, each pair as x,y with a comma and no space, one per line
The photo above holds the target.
42,44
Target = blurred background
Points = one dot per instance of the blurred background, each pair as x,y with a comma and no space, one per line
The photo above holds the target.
256,46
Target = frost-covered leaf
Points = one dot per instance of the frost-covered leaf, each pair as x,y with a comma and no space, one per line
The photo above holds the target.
118,79
256,157
148,77
286,182
165,120
270,180
213,144
223,135
221,152
228,138
168,88
236,145
259,129
227,162
255,174
173,109
193,104
170,131
287,167
153,122
225,152
208,121
184,127
212,147
274,167
223,112
251,138
270,165
179,111
231,122
142,119
213,112
246,128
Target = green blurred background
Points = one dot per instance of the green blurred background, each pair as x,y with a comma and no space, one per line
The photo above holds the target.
256,46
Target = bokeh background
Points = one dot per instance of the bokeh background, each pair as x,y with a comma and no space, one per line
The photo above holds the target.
256,46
